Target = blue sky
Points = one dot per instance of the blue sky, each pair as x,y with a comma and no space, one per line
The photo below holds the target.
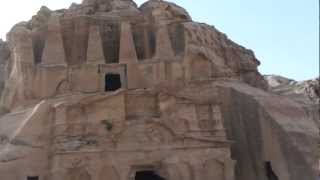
284,34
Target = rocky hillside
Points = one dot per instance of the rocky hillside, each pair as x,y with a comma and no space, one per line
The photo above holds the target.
107,89
306,93
302,91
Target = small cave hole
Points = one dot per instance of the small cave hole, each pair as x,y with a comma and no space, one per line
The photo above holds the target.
269,171
147,175
32,178
112,82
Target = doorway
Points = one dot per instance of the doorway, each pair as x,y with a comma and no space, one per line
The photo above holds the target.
147,175
32,178
269,171
112,82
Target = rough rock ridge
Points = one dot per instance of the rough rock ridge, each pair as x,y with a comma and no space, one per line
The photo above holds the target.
4,56
306,91
107,89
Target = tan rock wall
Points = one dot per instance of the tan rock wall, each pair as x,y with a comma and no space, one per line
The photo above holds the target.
279,131
187,100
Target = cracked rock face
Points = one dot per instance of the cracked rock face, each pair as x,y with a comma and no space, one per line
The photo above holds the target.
309,89
4,57
306,93
109,89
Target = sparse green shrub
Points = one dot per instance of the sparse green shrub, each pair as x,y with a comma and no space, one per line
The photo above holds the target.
107,124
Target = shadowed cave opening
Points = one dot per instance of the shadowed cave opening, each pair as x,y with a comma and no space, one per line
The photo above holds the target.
32,178
112,82
269,172
147,175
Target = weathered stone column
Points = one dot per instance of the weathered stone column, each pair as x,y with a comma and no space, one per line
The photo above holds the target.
54,52
95,53
19,86
22,47
128,52
163,46
128,55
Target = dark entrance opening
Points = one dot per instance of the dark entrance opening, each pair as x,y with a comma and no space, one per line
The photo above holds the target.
269,172
112,82
32,178
147,175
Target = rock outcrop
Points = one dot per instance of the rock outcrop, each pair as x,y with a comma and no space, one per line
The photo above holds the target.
4,59
307,92
107,89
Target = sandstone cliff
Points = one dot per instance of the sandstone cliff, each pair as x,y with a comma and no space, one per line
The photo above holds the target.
306,93
109,89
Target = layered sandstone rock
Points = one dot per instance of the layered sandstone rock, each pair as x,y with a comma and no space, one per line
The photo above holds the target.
106,89
307,92
4,56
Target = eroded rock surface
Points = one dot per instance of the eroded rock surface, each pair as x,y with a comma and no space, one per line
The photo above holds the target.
109,89
4,59
306,91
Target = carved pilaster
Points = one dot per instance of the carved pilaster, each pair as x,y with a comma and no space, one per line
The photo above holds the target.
95,50
54,53
163,45
127,48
